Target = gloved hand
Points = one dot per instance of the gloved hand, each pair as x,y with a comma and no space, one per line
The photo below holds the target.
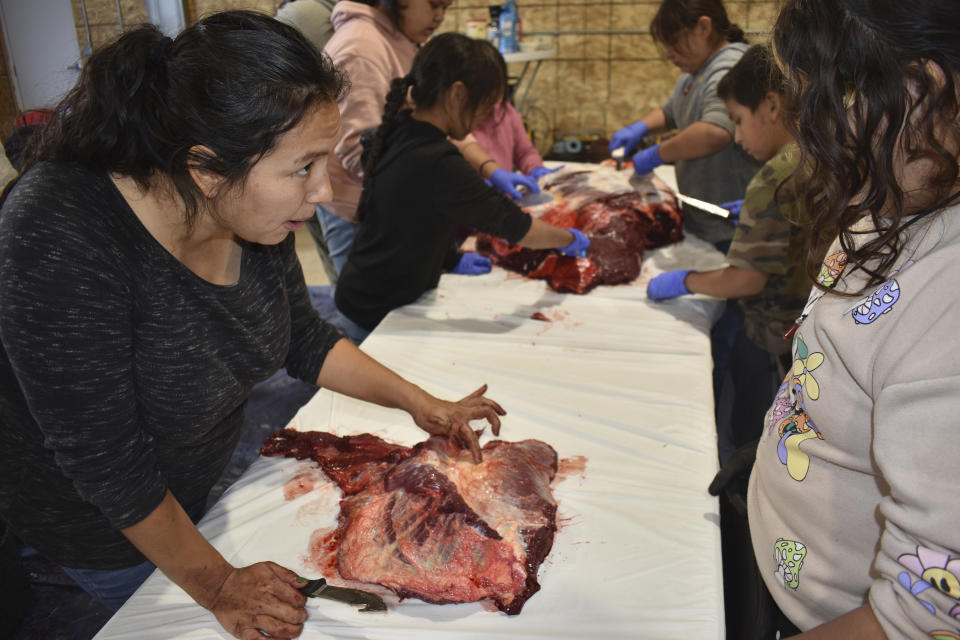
668,285
647,160
734,208
629,137
508,181
538,172
473,264
577,248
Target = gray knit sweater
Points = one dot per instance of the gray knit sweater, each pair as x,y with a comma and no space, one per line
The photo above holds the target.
122,373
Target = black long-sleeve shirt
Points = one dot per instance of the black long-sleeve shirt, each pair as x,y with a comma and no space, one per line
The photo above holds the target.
422,191
122,373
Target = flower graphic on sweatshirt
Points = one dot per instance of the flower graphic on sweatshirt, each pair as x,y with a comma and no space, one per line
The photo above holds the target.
803,367
935,569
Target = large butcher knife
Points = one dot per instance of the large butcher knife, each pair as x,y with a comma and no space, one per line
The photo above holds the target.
704,206
320,589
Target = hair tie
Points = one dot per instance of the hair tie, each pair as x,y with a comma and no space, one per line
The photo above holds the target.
158,50
408,79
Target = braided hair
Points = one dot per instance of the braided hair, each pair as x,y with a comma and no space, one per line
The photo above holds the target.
442,61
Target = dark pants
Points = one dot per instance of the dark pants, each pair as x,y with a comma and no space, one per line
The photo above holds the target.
747,390
13,583
750,611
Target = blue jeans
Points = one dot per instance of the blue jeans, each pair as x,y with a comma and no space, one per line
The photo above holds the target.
111,587
354,332
338,234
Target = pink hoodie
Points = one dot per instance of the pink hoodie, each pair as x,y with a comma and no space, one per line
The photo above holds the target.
373,52
502,135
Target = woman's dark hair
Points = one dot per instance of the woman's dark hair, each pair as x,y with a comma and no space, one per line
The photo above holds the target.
750,80
442,61
232,83
859,71
676,16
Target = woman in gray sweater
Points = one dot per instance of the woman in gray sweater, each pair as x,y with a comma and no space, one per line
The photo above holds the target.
148,280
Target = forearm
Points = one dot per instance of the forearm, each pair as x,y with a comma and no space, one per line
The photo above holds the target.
474,153
656,119
859,624
169,539
545,236
699,140
349,371
730,282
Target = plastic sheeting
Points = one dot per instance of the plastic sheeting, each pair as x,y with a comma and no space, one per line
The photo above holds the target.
610,378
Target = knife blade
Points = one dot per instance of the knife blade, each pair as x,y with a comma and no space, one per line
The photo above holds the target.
704,206
530,199
320,589
617,154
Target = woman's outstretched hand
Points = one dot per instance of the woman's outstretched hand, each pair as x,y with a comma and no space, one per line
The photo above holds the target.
443,418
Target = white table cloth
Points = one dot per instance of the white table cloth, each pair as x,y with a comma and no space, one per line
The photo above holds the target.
612,380
621,381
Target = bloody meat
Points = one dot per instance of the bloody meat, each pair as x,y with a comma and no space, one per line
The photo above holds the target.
620,226
427,522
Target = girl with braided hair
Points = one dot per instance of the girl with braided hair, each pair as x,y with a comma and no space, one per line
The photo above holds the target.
418,189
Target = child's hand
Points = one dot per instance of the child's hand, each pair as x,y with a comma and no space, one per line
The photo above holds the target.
629,137
733,207
508,181
473,264
577,248
647,160
670,284
538,172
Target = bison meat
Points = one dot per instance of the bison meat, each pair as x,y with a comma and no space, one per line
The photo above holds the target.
427,522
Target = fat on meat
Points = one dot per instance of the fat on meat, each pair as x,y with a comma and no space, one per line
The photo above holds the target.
427,522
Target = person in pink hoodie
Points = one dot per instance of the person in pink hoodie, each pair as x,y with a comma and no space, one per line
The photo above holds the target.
504,139
374,43
503,136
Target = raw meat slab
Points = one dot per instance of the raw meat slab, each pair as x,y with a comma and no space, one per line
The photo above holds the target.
619,220
427,522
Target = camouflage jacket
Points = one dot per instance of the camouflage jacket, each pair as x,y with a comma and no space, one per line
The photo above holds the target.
766,240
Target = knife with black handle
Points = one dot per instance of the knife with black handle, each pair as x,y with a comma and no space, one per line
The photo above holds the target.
320,589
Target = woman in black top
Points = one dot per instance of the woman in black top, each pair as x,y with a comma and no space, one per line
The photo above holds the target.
418,189
148,280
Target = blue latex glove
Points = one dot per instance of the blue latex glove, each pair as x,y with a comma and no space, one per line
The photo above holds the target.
668,285
473,264
577,248
733,207
538,172
647,160
629,137
508,181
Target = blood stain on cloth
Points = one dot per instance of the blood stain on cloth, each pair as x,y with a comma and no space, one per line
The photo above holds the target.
321,555
554,315
572,466
301,484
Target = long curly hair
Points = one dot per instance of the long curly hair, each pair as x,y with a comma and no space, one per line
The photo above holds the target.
233,83
872,86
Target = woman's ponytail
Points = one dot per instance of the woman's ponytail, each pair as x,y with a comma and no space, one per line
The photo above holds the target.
108,120
231,85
